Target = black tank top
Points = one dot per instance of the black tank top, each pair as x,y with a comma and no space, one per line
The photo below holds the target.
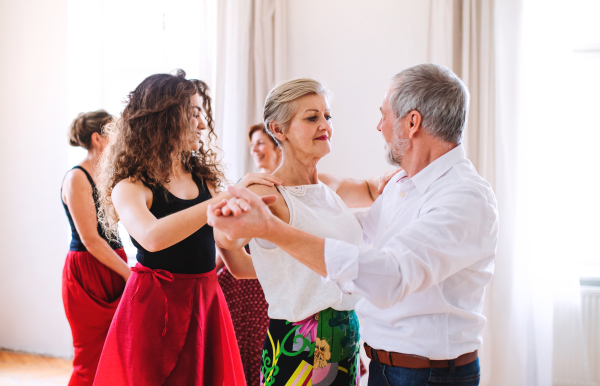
193,255
76,243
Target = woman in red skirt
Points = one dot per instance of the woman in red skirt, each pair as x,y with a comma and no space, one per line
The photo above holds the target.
158,176
95,269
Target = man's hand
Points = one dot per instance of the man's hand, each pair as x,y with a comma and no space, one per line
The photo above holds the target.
244,216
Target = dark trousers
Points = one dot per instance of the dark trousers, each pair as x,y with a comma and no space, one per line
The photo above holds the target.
383,375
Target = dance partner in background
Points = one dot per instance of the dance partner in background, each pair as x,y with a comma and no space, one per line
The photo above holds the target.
245,298
430,239
313,331
96,268
157,176
265,152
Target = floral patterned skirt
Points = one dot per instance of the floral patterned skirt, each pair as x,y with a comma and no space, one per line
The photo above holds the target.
320,350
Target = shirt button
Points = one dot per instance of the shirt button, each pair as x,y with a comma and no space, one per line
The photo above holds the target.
402,194
362,322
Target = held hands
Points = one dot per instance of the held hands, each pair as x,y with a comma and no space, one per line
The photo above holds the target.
385,178
244,216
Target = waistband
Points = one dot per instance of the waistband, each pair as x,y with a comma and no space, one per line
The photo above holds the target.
139,268
73,251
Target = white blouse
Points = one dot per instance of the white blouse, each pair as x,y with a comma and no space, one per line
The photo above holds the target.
292,290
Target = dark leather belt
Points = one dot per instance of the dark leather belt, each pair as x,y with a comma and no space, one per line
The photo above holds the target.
416,362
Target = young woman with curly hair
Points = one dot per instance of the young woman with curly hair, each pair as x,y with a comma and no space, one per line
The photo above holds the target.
158,176
95,268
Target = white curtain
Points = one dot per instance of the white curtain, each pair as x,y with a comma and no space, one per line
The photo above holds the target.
533,334
251,43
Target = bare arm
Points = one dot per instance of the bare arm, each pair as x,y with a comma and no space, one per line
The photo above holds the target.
357,193
77,193
238,262
219,263
132,201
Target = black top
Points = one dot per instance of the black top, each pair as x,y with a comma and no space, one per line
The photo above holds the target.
76,243
193,255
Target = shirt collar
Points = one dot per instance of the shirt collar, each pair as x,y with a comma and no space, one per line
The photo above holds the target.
437,168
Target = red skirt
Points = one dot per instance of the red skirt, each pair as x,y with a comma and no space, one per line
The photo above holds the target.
91,293
248,308
171,329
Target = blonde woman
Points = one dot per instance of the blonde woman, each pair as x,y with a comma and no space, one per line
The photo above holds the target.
313,329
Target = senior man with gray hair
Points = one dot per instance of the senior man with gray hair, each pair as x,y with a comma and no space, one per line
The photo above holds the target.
430,239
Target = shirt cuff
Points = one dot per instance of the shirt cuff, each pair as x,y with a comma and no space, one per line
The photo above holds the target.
341,261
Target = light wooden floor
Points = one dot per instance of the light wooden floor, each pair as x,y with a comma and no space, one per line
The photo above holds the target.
25,369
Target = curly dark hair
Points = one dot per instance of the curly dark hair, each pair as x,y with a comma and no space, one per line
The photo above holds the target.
151,130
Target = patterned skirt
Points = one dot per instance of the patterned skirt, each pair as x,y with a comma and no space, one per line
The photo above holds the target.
248,308
320,350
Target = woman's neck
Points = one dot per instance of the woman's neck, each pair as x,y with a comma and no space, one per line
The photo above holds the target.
295,171
177,170
90,161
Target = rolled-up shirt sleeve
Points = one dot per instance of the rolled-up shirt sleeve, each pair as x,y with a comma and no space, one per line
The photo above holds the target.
452,232
341,261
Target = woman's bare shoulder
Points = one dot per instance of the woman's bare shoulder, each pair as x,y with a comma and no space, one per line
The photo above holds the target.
76,178
278,208
127,186
263,190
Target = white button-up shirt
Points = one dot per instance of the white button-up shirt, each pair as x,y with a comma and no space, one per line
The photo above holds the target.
430,242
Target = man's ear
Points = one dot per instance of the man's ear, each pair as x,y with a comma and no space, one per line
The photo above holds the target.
277,131
415,120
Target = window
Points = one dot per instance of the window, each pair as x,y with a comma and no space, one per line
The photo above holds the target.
561,140
115,44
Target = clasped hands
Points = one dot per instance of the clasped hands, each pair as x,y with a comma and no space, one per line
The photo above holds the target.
243,216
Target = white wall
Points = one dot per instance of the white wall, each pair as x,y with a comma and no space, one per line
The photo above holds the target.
33,155
355,46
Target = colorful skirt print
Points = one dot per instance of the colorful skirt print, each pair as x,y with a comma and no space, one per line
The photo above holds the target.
248,308
91,292
320,350
171,329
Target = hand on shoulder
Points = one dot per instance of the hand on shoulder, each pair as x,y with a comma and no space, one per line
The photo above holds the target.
259,178
279,207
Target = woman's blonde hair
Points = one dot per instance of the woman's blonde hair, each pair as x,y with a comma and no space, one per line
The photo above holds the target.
280,105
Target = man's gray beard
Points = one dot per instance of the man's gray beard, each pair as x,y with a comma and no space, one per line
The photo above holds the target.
397,150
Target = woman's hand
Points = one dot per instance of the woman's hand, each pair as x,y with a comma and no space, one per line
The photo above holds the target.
258,178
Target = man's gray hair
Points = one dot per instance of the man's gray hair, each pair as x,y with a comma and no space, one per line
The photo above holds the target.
437,94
